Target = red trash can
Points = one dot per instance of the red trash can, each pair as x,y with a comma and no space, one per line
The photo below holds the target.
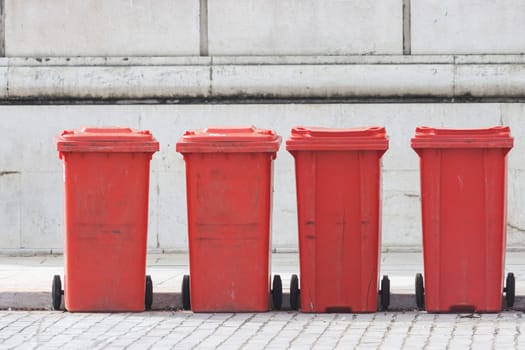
338,178
463,199
229,195
106,180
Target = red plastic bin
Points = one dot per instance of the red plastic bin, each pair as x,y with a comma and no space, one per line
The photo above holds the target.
229,195
106,180
463,198
338,178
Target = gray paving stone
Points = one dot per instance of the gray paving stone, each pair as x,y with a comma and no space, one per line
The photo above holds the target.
481,345
436,346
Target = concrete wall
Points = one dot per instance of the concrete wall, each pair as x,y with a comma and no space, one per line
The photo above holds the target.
262,27
170,66
101,27
32,187
467,26
396,78
304,27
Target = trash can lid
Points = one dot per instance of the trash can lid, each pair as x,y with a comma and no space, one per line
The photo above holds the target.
494,137
229,139
106,139
304,138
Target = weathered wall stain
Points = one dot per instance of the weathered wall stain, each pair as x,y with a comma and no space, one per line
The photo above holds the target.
4,173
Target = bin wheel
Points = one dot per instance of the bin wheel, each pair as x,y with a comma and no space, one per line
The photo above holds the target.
277,292
385,292
56,292
510,289
186,302
420,292
294,292
149,293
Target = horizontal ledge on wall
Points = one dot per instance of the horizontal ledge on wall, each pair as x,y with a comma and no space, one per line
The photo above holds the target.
263,77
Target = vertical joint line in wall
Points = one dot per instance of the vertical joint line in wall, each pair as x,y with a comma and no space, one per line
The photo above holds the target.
407,40
157,190
500,108
203,18
2,28
2,44
454,74
210,87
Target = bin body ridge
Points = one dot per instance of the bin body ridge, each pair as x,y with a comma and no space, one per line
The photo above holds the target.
339,224
229,220
464,211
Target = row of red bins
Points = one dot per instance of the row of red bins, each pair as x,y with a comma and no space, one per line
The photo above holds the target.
229,199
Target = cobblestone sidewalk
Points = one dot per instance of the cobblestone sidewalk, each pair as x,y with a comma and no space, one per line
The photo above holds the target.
273,330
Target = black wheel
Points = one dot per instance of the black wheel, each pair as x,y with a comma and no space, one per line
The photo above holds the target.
56,292
385,292
420,292
186,302
149,293
277,292
294,293
510,289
